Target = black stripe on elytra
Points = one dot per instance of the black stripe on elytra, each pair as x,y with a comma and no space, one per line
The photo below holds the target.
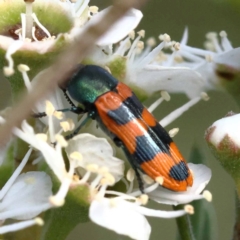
179,171
121,115
131,108
146,149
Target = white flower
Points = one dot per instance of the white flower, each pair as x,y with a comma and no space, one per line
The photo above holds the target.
125,215
74,16
96,151
202,176
24,196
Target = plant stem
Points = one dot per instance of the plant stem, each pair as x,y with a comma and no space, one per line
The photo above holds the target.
184,225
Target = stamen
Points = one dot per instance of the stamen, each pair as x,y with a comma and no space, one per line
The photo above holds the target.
159,180
143,199
141,33
85,178
165,95
59,115
49,108
207,195
130,175
132,35
14,176
23,20
151,42
108,179
155,104
33,34
40,25
8,71
80,6
93,9
20,225
189,209
212,36
164,37
24,69
178,112
173,132
67,125
204,96
227,46
61,140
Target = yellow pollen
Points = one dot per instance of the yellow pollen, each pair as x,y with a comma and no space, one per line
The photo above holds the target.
108,179
93,9
189,209
211,35
223,34
58,115
39,221
178,59
141,33
56,201
8,71
207,195
151,42
61,140
204,96
76,156
159,180
173,132
165,95
144,199
176,46
140,45
147,179
164,37
23,68
49,108
132,35
130,175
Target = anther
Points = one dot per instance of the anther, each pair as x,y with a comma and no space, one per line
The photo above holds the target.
173,132
189,209
159,180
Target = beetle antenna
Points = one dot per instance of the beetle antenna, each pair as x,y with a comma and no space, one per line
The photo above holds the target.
68,98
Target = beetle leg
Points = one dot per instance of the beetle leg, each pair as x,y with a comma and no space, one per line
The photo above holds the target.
76,131
139,179
117,142
76,110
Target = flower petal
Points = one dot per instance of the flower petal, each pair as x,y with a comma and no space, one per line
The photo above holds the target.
120,218
120,29
27,197
202,176
154,78
96,151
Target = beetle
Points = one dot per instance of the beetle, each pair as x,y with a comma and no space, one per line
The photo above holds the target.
121,115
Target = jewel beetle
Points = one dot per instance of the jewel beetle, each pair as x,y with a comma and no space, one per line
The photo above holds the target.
121,115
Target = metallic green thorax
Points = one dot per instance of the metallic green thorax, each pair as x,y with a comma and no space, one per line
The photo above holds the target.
90,82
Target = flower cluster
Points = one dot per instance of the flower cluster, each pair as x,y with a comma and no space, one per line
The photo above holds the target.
90,160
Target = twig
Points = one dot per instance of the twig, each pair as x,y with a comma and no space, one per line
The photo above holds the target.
65,65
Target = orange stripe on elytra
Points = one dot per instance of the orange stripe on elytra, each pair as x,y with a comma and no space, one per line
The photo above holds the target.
160,166
148,118
124,91
109,101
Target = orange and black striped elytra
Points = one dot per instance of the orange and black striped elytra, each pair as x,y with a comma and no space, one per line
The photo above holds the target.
120,114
